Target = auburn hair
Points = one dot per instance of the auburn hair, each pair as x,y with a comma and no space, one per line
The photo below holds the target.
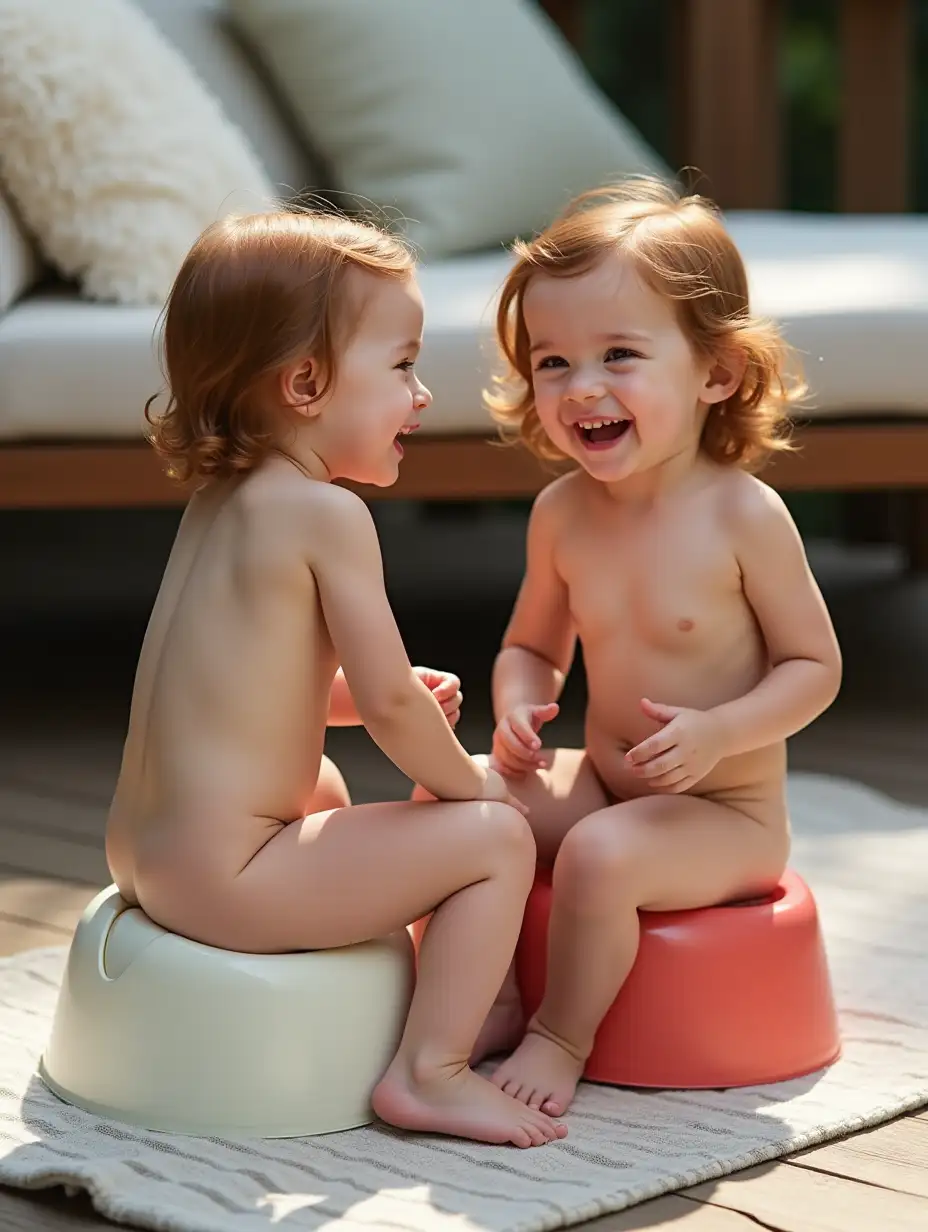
680,249
255,294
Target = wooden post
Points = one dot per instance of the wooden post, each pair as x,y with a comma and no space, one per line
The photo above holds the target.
729,127
876,89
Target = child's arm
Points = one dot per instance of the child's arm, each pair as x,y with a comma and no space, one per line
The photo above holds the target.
538,645
395,706
444,687
805,662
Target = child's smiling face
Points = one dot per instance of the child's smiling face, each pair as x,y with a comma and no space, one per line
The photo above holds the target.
617,385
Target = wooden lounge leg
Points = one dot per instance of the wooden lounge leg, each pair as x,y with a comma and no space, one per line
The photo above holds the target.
916,530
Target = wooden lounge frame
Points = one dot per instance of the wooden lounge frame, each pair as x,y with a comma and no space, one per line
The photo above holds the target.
728,126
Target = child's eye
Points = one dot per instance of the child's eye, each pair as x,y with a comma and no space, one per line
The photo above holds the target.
551,361
615,355
407,365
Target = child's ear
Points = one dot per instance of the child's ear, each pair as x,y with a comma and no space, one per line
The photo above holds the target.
725,374
299,386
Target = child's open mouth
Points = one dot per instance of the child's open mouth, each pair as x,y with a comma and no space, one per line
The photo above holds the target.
601,433
397,444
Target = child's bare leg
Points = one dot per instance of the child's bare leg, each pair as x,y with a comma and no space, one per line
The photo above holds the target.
559,795
354,873
658,853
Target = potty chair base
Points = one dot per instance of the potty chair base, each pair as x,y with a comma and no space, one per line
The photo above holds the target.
168,1034
728,996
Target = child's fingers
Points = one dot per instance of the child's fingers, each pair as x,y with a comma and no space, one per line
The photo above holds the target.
523,731
516,745
507,765
454,702
661,742
683,784
667,763
544,714
453,717
670,779
449,686
513,758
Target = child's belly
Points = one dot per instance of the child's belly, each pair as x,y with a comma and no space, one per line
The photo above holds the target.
754,776
616,723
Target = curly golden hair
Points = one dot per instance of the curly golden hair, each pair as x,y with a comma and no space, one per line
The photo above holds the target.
253,295
681,250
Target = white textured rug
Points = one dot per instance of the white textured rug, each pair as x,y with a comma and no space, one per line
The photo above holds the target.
866,859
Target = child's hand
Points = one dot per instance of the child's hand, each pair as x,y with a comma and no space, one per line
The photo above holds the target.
496,788
446,689
686,748
516,746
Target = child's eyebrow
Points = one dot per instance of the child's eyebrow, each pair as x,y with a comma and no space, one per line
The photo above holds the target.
414,344
625,336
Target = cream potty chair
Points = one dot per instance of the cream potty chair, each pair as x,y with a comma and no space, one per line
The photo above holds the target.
168,1034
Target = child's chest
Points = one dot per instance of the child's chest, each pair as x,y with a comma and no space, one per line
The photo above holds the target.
670,587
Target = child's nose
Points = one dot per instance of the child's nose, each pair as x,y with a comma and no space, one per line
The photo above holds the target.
584,387
422,398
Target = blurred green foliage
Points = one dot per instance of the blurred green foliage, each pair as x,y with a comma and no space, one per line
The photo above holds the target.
626,49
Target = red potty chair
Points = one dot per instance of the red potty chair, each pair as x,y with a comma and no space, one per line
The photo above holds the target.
727,996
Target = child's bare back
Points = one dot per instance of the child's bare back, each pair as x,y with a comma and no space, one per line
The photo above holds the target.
228,717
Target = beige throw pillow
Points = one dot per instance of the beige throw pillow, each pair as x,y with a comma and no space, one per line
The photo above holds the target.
114,152
472,118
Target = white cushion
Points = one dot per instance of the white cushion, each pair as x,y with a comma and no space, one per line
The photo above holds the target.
115,153
18,265
853,291
851,294
106,362
472,118
202,32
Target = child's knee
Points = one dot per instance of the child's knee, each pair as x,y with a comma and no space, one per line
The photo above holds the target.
599,864
506,833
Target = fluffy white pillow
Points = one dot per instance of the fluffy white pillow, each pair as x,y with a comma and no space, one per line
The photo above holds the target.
471,117
114,152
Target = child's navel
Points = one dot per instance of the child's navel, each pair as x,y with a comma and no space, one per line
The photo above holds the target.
685,625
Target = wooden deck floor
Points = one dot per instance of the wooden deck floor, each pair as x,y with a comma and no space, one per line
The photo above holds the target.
66,689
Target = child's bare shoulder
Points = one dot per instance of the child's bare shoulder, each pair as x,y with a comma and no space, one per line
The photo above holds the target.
562,497
747,501
312,517
757,518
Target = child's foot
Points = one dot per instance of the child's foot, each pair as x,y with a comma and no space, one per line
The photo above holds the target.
540,1073
460,1102
504,1027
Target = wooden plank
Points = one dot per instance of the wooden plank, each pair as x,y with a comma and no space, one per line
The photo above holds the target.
893,1156
799,1200
838,456
84,476
669,1214
53,856
44,813
44,901
877,58
49,1210
847,456
16,936
129,475
728,109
